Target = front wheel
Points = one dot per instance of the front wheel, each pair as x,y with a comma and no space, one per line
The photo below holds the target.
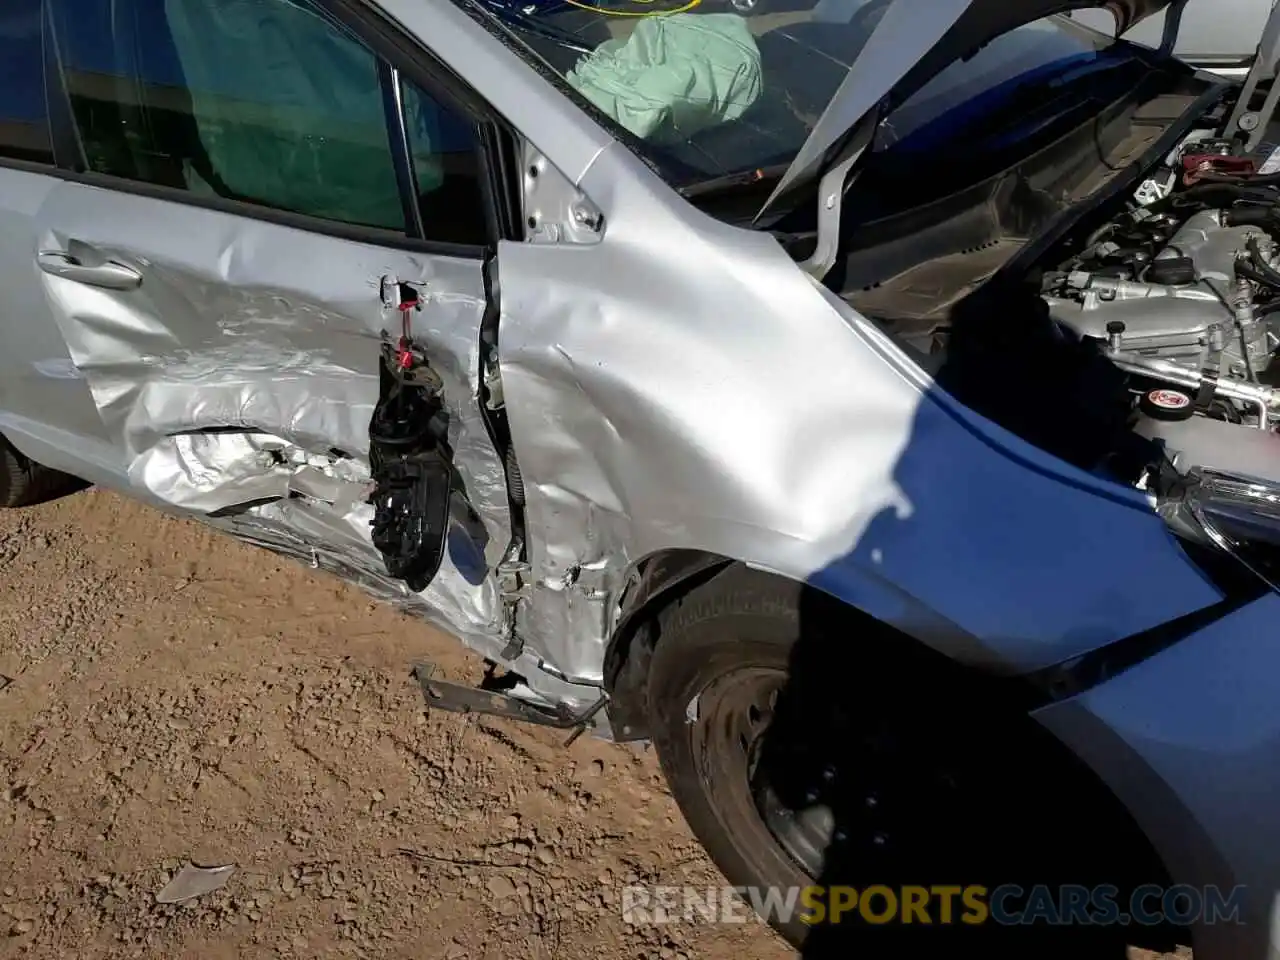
805,747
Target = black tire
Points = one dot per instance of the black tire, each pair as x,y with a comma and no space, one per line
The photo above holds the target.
736,621
24,482
912,767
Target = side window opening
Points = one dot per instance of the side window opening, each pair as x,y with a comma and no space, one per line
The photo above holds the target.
265,102
446,168
24,123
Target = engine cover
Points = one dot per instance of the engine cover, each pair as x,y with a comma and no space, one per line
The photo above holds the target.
1187,323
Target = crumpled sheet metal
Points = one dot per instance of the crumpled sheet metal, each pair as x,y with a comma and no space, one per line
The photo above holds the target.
246,392
208,472
338,542
683,385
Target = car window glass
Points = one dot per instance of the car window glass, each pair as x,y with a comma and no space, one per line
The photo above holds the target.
730,90
446,169
267,102
24,128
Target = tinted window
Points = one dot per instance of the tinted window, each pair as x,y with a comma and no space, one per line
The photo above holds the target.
267,102
24,129
446,170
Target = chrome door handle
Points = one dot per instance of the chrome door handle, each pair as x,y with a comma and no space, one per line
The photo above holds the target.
85,265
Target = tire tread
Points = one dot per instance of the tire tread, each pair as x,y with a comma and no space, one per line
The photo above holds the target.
24,483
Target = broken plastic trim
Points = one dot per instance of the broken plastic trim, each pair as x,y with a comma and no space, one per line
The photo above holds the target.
492,698
193,881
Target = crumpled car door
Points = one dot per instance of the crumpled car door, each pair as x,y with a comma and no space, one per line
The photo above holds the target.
302,382
45,408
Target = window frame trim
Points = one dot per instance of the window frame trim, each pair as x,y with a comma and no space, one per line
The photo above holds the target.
398,143
399,57
64,135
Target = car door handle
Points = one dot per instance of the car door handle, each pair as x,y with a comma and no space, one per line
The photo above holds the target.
83,264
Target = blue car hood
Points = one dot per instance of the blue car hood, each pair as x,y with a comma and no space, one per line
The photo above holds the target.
910,43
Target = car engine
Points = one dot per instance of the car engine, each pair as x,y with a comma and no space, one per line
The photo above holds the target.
1182,293
1186,302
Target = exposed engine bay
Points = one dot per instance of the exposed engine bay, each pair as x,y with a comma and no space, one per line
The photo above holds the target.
1107,287
1138,341
1181,293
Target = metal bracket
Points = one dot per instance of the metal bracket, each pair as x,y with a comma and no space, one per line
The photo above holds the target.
494,399
513,580
512,574
831,190
392,288
1172,23
555,210
1264,65
492,698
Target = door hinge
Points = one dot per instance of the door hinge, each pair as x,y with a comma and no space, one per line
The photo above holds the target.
513,586
513,580
493,395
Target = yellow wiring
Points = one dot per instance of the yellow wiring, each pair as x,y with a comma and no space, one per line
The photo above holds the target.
689,5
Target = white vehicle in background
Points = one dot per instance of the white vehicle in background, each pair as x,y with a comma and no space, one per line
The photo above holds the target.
1218,35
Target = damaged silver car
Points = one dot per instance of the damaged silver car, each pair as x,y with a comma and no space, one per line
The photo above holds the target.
870,403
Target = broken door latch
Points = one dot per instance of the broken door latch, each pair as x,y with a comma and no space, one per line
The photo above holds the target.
409,453
405,356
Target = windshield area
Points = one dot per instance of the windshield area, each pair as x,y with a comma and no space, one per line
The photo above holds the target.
710,90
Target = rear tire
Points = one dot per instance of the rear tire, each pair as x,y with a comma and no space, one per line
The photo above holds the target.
23,482
805,744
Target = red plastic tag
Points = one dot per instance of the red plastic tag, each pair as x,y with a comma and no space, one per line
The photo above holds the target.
404,355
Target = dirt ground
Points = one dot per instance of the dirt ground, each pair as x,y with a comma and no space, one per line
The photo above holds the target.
176,695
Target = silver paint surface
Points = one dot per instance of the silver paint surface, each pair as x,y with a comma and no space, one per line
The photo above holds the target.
682,384
239,379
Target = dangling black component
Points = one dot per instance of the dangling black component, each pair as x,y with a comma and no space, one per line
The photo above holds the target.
410,460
